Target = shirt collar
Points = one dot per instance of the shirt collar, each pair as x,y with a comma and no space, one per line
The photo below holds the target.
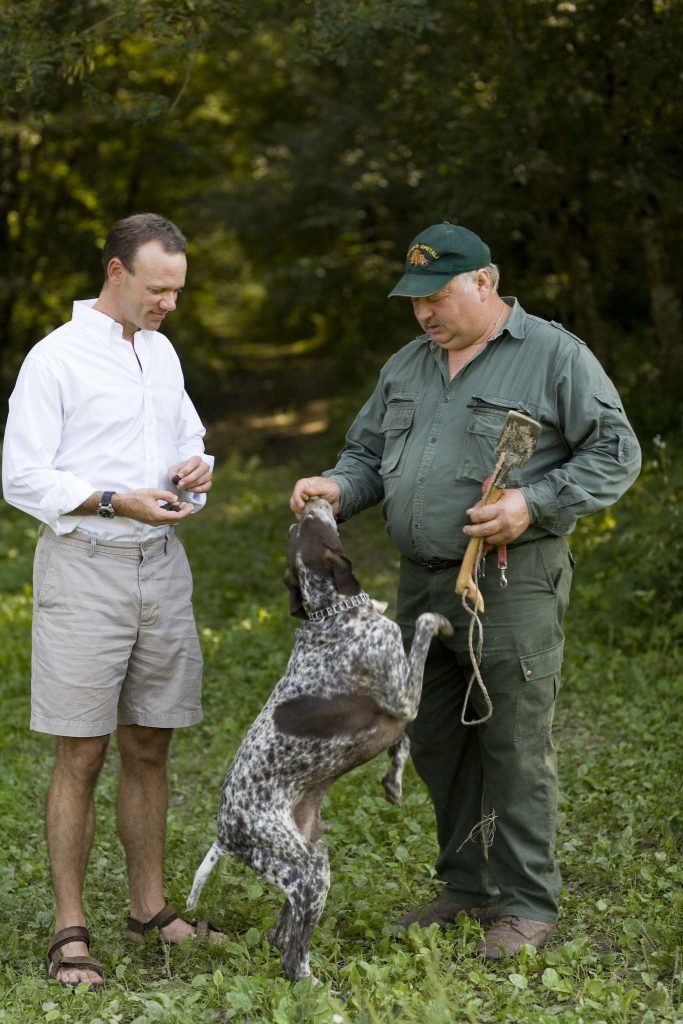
514,324
99,324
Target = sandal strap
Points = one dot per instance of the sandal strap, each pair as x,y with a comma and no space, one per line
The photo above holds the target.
64,963
77,933
160,920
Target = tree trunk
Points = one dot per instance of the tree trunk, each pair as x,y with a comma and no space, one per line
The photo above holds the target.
665,304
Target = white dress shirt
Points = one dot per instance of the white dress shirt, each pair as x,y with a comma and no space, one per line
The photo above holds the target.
92,412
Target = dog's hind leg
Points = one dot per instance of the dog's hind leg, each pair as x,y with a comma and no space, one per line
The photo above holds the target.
393,780
278,936
306,814
203,871
317,888
284,859
283,934
301,871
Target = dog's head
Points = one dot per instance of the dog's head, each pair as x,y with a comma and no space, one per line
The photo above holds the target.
318,572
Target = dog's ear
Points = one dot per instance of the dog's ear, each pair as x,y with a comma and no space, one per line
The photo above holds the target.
296,599
342,573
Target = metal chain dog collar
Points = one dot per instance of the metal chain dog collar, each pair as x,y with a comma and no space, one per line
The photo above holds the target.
351,602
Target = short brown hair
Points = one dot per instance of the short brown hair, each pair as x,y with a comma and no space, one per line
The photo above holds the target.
127,235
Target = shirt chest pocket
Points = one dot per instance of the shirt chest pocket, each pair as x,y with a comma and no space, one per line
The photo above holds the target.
484,426
395,428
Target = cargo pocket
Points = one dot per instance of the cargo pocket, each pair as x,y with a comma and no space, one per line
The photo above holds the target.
483,431
537,692
395,427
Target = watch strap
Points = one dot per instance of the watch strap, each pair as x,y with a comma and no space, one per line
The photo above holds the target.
105,509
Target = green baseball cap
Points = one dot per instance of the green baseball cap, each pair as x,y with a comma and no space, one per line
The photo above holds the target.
436,255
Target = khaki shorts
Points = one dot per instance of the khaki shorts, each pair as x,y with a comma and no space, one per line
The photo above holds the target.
114,637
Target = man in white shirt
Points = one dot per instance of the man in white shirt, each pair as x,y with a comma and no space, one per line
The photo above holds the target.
105,448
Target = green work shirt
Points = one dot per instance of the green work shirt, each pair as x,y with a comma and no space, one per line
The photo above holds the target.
425,443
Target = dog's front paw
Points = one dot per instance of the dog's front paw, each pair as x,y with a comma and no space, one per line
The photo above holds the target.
443,626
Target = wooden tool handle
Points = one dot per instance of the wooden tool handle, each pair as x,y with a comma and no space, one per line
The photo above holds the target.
465,583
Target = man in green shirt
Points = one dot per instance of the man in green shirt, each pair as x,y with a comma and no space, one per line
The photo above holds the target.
424,443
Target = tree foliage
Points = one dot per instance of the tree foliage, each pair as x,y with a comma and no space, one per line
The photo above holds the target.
301,146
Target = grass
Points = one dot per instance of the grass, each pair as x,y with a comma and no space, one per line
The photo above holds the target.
616,958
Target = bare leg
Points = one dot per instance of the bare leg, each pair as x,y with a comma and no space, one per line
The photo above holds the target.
142,807
70,827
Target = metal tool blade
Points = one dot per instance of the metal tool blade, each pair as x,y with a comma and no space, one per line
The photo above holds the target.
518,439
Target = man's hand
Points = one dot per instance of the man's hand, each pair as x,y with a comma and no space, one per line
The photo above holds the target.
193,475
144,506
309,486
502,521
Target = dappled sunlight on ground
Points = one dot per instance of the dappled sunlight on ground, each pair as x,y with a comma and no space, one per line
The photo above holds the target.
312,418
275,435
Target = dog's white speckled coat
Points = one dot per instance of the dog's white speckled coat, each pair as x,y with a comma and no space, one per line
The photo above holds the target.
347,694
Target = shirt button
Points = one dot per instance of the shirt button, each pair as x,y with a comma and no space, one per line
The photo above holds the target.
528,673
446,399
433,440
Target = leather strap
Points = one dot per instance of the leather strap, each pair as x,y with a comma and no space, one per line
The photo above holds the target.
77,933
160,920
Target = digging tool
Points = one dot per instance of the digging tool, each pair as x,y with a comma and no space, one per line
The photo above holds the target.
516,445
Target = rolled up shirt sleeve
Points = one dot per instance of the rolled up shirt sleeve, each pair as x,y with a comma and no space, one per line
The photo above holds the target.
30,480
605,453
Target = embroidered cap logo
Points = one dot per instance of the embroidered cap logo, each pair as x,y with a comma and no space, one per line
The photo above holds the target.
417,259
421,255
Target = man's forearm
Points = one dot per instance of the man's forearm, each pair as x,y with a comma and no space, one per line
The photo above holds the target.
89,506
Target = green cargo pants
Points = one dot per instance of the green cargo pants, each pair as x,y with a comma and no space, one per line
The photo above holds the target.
506,766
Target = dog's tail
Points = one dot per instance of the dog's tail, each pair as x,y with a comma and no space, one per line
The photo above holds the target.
203,872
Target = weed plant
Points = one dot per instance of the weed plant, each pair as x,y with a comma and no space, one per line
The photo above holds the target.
616,957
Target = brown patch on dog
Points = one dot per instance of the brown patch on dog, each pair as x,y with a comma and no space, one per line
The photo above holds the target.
327,717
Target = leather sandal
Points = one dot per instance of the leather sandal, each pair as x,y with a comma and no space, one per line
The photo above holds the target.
204,930
56,961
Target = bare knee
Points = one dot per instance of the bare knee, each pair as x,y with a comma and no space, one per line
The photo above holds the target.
143,746
81,757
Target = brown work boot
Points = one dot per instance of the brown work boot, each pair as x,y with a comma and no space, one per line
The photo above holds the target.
508,934
443,911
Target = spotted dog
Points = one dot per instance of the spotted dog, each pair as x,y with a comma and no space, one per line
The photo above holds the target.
347,694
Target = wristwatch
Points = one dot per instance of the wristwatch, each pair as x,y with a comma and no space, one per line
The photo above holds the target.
105,507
